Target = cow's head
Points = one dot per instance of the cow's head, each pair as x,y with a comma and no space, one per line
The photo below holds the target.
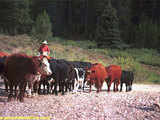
90,76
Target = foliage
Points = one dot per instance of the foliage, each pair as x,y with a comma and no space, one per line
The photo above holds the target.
146,56
22,16
126,62
42,29
147,34
15,16
108,28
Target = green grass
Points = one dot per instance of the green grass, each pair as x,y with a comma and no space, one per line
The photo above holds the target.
80,43
145,56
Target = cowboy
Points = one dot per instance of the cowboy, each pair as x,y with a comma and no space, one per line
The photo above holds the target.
44,49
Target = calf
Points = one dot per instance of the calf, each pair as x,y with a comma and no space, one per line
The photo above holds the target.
127,78
79,80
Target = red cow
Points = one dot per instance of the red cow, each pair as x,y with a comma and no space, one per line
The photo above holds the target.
114,75
96,75
21,69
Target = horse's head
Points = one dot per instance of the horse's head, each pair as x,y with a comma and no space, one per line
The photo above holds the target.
43,65
46,65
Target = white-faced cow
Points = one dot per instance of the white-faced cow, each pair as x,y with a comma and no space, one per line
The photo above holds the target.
21,69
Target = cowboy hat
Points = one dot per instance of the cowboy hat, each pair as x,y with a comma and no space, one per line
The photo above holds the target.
44,42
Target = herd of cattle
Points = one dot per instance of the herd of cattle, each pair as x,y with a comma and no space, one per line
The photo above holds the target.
20,71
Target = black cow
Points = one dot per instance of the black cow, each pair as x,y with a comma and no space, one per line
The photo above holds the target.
127,78
63,74
2,70
79,64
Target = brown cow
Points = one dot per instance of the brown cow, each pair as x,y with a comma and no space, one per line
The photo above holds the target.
96,75
114,75
21,69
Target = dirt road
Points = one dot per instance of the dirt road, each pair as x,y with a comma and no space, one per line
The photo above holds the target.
140,104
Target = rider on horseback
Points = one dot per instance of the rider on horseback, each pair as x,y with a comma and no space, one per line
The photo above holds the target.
44,49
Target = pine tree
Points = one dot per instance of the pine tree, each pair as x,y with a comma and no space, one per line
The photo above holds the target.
42,30
107,33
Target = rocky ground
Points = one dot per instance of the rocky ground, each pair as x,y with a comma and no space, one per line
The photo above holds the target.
142,103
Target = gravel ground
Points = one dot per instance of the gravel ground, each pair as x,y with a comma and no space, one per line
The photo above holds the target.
142,103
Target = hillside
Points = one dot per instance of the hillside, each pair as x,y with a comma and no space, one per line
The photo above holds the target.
23,43
131,59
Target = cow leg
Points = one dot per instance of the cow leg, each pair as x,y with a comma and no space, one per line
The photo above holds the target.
11,92
117,84
16,92
75,86
130,86
99,86
121,87
109,84
84,84
126,87
39,88
90,86
55,88
22,88
5,83
81,83
6,87
51,87
44,87
48,88
114,85
117,87
62,87
35,87
30,86
72,84
66,86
